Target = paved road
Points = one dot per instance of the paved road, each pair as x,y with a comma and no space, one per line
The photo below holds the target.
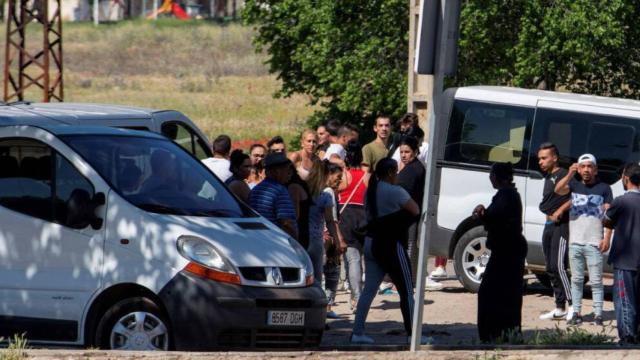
450,316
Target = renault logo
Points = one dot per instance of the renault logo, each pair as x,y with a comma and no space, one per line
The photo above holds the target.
276,276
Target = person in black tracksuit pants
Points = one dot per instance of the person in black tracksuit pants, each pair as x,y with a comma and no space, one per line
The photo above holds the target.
501,290
555,237
390,212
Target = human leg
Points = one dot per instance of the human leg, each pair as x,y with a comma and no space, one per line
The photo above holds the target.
595,261
625,297
399,268
577,263
316,254
373,278
354,269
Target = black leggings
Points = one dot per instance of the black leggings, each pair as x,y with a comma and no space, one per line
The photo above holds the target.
555,245
392,258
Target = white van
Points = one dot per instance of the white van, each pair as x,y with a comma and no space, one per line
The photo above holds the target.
481,125
170,123
123,240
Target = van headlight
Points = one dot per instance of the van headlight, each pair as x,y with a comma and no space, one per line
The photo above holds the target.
205,260
303,256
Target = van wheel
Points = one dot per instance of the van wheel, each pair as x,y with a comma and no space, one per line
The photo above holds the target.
133,324
471,256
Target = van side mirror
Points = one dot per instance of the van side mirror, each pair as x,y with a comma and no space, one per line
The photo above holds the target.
81,209
99,199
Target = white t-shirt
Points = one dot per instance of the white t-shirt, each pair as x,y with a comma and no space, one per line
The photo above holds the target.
220,167
335,149
422,156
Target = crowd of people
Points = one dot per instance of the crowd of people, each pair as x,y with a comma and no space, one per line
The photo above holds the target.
337,198
356,208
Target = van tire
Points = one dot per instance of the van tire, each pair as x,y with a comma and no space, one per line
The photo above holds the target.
472,240
132,309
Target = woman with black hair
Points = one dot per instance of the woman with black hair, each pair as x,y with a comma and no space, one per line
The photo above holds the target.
301,199
353,217
240,167
412,178
500,294
390,211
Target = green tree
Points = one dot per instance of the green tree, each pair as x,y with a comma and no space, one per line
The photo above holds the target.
583,46
350,56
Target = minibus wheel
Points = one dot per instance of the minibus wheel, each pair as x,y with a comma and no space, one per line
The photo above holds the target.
471,256
134,324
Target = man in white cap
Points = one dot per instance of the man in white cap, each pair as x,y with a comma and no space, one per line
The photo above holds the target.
588,240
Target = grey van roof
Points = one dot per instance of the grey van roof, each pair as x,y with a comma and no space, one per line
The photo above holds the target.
80,111
62,129
530,97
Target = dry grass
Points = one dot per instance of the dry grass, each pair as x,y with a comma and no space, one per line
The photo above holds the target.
208,71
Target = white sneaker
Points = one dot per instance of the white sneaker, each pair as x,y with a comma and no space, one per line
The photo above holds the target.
432,285
569,313
555,314
384,286
361,339
438,273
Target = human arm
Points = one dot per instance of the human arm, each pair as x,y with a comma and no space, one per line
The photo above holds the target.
289,226
562,187
557,215
241,190
411,207
297,194
285,213
334,229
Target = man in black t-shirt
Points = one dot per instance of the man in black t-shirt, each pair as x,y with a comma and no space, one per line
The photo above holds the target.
555,236
623,216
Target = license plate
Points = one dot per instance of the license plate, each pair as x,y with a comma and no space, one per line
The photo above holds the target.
285,318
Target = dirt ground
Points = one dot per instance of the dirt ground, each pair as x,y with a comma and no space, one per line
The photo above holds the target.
450,315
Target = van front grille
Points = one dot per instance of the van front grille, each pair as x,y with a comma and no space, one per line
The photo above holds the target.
290,275
254,273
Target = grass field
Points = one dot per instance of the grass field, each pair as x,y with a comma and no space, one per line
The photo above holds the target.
208,71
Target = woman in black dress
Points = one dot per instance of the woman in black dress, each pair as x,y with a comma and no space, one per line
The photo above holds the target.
500,294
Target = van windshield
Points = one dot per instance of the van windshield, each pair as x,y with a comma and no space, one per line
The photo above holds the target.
156,175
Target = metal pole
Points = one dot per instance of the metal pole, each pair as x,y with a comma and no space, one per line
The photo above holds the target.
96,12
144,8
427,221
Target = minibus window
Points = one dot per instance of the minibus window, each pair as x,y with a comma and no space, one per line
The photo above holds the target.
184,136
613,140
484,133
29,186
26,177
156,175
179,134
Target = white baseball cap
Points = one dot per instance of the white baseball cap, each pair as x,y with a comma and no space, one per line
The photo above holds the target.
587,157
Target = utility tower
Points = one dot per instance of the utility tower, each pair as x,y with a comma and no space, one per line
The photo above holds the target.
38,64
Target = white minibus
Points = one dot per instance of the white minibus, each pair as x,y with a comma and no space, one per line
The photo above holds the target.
480,125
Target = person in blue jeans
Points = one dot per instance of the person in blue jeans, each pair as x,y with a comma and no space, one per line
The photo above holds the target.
588,239
624,218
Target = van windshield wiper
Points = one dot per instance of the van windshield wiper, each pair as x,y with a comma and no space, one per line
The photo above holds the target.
161,209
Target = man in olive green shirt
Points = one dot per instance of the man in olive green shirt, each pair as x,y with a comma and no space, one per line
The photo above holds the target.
377,149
